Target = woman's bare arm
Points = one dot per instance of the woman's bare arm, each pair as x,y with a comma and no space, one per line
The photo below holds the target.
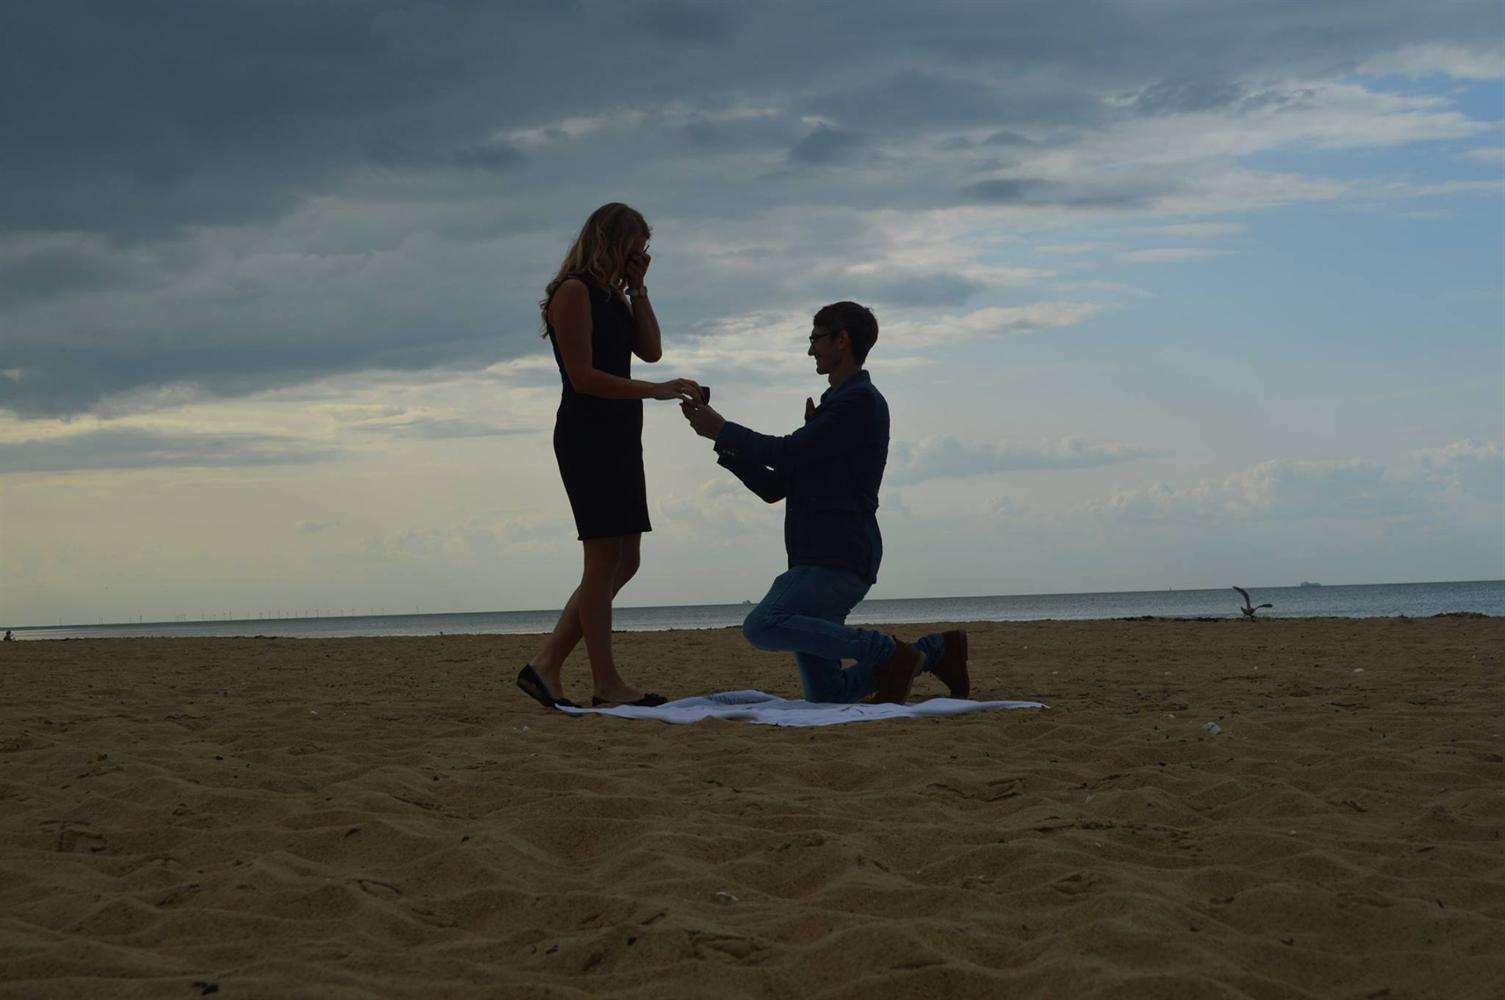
647,342
570,316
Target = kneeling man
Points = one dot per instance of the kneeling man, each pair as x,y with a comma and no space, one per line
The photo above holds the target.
828,473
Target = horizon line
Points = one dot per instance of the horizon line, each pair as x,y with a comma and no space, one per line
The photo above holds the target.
722,604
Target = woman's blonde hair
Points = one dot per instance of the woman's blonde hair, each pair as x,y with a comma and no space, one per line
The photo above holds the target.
599,251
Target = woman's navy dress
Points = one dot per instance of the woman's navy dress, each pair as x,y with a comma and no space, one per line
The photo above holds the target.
599,442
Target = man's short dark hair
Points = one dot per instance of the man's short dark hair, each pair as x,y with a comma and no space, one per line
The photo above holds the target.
858,321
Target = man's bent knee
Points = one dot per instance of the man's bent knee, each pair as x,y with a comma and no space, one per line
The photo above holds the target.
761,628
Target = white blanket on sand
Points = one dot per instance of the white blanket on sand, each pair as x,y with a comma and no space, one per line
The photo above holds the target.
767,710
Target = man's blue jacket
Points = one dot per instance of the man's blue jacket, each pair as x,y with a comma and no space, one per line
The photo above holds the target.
827,472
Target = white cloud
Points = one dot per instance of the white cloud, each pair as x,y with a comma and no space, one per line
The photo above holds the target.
1475,468
1439,189
1070,249
719,513
991,321
943,456
1279,493
1456,61
433,427
1170,255
677,114
125,447
1196,230
1345,489
574,127
1321,114
1218,190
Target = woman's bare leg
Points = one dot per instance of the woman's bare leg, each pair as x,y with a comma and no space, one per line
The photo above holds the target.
557,645
568,630
607,684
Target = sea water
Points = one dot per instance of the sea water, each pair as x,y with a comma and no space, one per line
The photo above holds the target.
1375,600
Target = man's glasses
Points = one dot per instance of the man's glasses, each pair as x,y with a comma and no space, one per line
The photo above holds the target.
824,333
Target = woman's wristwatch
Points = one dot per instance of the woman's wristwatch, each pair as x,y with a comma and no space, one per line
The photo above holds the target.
633,293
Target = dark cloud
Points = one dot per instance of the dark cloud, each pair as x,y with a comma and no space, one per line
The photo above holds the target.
249,353
1007,190
679,21
912,100
1174,97
250,193
751,134
1037,191
827,145
49,267
1181,96
1006,137
495,156
707,135
130,448
133,119
941,289
397,155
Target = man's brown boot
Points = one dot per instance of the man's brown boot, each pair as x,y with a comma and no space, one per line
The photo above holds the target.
951,668
895,675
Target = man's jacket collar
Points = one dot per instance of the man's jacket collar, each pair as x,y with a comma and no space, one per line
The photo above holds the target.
858,377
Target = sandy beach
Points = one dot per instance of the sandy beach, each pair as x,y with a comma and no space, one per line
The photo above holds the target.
390,817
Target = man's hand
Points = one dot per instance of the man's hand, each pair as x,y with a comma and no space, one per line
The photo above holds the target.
809,407
706,421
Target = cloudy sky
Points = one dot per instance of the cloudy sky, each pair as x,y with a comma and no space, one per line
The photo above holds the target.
1171,293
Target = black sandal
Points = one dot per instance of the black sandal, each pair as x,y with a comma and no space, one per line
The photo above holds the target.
533,686
646,701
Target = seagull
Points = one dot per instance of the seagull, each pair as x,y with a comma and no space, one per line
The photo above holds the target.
1249,608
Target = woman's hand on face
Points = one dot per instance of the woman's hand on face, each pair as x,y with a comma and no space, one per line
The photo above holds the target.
683,389
636,269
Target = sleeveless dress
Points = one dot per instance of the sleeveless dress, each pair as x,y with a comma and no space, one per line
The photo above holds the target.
599,442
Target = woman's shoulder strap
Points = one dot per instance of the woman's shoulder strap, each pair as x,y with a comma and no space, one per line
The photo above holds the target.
579,276
585,278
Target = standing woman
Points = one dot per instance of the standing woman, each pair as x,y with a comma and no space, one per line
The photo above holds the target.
597,315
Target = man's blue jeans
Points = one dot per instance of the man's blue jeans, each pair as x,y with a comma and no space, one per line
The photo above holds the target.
805,612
